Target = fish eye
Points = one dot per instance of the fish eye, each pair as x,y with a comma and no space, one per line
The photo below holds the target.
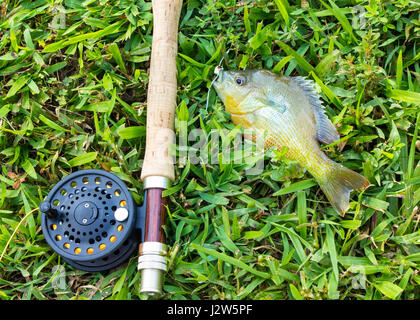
240,80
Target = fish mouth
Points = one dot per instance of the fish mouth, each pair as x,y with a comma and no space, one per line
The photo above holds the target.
219,83
220,75
218,71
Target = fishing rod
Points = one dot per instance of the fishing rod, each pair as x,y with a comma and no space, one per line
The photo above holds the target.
90,217
158,169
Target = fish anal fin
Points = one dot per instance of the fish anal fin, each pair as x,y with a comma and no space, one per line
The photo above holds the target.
326,131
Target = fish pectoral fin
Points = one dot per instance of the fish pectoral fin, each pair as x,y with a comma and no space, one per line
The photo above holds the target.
276,103
326,131
245,120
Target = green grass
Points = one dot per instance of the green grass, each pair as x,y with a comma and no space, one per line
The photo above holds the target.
73,97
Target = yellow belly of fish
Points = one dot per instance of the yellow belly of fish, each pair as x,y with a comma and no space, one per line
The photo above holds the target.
305,153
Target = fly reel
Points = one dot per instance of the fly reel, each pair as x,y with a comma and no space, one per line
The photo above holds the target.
92,221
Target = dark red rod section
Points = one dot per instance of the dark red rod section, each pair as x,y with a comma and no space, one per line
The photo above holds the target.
155,216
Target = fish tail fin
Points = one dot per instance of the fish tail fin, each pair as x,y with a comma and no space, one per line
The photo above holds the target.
338,184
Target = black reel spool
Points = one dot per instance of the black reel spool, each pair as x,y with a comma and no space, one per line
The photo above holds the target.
92,221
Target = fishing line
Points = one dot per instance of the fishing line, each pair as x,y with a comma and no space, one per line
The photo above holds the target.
14,232
216,71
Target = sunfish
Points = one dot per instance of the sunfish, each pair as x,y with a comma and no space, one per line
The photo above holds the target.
291,113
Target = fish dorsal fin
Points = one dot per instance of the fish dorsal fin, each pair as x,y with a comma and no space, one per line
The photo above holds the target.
326,131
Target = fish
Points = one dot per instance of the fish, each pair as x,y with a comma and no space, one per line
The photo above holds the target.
291,114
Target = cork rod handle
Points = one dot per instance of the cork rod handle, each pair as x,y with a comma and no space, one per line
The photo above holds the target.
161,95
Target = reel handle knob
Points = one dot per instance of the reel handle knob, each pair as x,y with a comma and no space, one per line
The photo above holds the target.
45,207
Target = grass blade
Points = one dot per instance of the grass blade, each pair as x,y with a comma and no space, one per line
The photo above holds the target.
17,85
325,64
83,159
399,70
282,63
299,59
297,186
388,289
116,54
283,10
230,260
53,47
341,17
302,211
52,124
332,251
327,91
132,132
405,96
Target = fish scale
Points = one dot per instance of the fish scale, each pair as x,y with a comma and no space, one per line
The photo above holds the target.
291,137
291,114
